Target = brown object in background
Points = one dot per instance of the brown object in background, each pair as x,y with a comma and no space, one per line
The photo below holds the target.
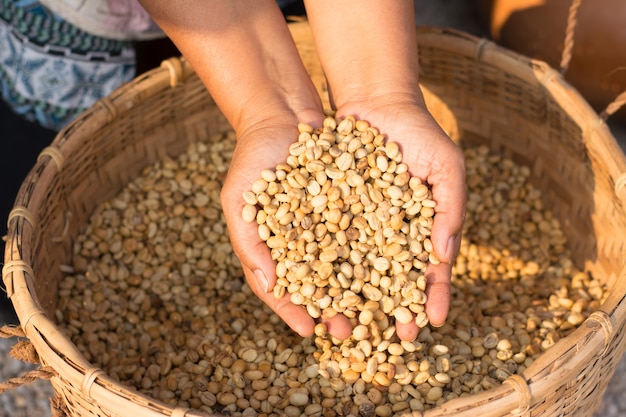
536,28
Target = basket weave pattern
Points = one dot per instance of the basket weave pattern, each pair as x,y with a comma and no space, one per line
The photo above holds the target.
479,93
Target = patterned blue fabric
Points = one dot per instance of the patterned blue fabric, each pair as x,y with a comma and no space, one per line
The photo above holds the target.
50,71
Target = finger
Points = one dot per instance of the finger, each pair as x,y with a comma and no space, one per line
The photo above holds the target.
449,193
447,231
407,331
338,326
438,293
254,255
294,316
252,252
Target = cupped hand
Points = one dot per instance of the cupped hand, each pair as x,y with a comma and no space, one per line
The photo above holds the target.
434,158
262,146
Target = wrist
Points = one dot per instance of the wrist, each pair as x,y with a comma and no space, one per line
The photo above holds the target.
368,48
379,95
371,104
244,54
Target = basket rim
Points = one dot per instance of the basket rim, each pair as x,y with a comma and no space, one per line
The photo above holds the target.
591,339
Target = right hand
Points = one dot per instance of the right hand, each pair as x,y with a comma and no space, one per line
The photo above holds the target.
262,146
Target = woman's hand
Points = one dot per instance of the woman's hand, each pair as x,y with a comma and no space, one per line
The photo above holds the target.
368,50
431,156
244,54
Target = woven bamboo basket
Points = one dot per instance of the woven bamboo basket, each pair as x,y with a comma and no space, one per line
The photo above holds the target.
479,92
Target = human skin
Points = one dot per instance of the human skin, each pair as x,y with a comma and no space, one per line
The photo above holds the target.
244,54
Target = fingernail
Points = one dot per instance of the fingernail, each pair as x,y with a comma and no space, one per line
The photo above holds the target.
450,249
260,276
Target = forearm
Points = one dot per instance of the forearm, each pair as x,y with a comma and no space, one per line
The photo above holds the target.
242,51
368,48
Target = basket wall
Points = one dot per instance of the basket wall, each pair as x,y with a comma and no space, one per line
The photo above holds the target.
478,92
